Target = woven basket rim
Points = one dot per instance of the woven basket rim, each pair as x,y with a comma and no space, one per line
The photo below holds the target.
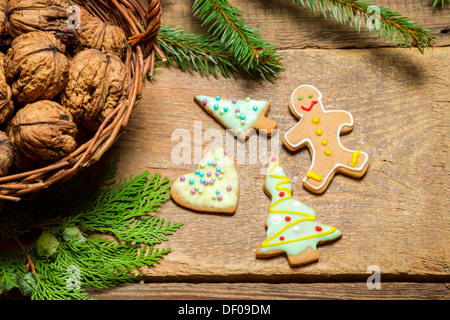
141,23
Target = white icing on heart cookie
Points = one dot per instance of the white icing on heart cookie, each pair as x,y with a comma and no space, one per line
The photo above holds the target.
212,187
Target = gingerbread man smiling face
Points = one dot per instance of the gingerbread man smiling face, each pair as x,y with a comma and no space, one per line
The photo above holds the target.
320,130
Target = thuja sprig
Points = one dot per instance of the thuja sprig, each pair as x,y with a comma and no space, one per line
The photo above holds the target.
94,233
226,25
388,25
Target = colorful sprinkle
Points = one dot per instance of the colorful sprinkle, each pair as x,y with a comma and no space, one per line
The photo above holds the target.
201,174
238,115
214,197
255,108
196,187
209,162
287,218
202,165
211,182
229,188
242,116
217,173
273,159
191,181
200,190
205,101
206,182
300,98
218,98
318,229
315,120
310,95
328,152
225,152
282,238
217,191
242,122
202,180
193,191
281,194
219,198
222,170
319,132
197,171
214,163
237,110
248,99
216,107
324,142
225,109
234,100
218,169
209,174
220,177
182,178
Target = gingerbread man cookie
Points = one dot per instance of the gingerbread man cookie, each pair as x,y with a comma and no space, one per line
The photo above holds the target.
320,130
292,227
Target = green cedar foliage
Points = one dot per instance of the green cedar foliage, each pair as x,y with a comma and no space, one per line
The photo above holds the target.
100,230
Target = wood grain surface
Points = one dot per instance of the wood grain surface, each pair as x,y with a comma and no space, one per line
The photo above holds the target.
396,217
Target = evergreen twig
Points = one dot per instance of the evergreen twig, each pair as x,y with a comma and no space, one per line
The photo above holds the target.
239,40
117,234
388,25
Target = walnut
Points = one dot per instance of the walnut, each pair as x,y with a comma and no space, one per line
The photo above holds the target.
36,67
6,153
43,130
103,36
3,31
41,15
6,103
98,83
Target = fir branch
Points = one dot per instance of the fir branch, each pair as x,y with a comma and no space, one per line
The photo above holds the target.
442,2
239,40
197,52
388,25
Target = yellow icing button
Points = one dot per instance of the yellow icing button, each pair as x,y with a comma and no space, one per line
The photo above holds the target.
319,132
328,152
314,176
315,120
324,142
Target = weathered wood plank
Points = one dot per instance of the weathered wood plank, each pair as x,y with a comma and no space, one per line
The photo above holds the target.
271,291
290,26
396,217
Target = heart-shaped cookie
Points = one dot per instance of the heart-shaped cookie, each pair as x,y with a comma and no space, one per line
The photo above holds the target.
212,187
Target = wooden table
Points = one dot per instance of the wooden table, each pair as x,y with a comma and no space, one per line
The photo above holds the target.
395,218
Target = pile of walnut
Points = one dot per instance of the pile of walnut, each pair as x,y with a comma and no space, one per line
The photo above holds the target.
57,83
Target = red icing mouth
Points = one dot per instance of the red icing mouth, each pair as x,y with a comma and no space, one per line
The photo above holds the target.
310,107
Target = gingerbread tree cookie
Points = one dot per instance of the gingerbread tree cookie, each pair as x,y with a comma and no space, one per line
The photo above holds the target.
241,116
292,227
320,130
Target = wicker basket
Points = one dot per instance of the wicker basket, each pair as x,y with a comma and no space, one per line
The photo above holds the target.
141,23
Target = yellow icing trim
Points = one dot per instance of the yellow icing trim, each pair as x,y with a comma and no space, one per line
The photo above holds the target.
315,120
289,194
319,132
265,244
355,157
328,152
324,142
314,175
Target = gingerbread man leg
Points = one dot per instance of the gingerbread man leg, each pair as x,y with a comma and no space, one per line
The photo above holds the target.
320,131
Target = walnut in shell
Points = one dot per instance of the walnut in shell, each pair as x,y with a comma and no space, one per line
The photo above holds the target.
3,31
43,130
103,36
6,154
6,103
36,67
41,15
98,83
